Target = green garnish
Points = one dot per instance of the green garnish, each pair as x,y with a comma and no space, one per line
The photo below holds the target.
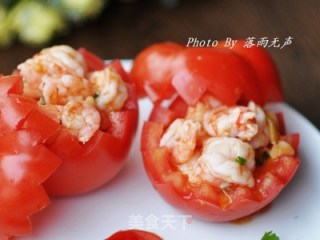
242,161
270,236
96,95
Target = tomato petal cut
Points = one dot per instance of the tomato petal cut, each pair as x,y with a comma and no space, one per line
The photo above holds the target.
14,109
231,76
189,87
152,71
11,85
94,63
96,158
40,124
162,114
24,167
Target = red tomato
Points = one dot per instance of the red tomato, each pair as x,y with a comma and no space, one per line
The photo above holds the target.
265,68
88,166
39,157
218,71
152,71
93,62
25,162
207,201
133,235
232,77
229,75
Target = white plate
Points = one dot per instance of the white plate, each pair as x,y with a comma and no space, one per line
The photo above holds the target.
130,201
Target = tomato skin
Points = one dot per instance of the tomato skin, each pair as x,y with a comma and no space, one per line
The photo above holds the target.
218,71
204,201
93,62
152,72
89,166
232,76
133,234
25,162
265,69
11,84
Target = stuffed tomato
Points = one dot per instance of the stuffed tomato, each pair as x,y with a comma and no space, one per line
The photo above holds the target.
67,123
96,107
209,147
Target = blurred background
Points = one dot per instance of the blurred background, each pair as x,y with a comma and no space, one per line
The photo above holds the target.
122,28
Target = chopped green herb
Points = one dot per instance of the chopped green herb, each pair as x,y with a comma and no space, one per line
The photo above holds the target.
242,161
270,236
96,95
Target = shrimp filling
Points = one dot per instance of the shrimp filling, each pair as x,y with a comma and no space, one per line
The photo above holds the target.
58,78
219,144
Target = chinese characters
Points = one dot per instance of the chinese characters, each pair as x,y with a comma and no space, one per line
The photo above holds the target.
265,42
163,222
249,42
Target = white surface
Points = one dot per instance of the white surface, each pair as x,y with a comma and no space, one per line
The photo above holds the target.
293,215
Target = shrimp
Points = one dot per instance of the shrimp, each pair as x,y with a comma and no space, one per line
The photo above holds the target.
59,90
217,163
81,118
56,61
110,89
225,121
181,138
197,112
262,138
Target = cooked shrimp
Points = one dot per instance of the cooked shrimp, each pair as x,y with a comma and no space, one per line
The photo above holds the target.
81,118
262,138
181,138
55,61
206,103
52,111
196,112
218,161
110,89
61,89
225,121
